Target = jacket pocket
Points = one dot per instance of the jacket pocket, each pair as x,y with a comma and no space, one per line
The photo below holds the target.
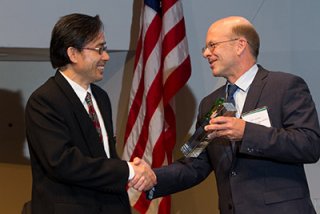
283,195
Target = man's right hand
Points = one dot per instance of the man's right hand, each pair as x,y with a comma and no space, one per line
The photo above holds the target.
144,178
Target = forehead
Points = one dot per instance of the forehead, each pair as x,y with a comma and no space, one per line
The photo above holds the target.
218,31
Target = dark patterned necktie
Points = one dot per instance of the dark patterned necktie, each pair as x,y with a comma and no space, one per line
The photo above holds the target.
231,90
93,115
230,99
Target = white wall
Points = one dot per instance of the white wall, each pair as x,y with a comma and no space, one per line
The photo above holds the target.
29,23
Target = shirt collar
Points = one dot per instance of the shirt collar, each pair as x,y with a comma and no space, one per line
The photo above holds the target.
81,92
246,79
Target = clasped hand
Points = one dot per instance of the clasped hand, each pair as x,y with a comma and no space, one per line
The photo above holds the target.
231,128
144,178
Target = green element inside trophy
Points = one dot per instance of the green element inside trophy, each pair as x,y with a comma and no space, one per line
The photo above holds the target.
198,142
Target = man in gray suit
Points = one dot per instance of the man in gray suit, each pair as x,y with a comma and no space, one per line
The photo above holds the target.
258,156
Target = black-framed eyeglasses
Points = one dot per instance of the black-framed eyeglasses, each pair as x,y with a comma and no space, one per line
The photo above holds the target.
212,45
100,50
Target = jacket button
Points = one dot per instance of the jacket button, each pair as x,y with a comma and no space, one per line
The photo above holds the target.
233,173
250,150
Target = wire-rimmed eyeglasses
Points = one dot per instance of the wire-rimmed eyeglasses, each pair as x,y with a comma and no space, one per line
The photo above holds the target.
100,50
212,45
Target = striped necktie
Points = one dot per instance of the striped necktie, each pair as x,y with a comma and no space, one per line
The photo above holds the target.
93,115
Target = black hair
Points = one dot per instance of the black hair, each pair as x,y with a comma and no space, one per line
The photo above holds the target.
73,30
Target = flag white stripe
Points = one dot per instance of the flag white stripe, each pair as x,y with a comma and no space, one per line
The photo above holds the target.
172,17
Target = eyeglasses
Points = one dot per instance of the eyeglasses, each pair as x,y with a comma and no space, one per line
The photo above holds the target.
212,45
99,50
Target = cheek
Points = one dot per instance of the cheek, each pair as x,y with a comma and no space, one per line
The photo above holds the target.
227,57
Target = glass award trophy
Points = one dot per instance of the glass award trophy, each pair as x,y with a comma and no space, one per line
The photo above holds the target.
198,141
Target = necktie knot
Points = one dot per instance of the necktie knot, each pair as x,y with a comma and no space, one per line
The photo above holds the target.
232,88
88,99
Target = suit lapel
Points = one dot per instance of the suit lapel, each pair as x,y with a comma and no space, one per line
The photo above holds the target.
105,108
251,103
255,90
88,131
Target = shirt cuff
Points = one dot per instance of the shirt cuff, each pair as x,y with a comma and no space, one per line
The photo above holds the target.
150,193
131,171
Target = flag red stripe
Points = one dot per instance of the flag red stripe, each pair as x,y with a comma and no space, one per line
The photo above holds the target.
167,4
176,80
173,37
135,106
164,146
134,111
150,41
151,37
158,152
152,101
142,204
165,205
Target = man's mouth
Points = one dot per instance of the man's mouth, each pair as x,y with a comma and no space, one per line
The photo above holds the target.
101,67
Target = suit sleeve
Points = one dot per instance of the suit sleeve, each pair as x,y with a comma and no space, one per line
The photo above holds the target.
294,136
186,172
180,175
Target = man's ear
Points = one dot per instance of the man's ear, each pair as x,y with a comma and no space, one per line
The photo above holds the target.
73,54
242,44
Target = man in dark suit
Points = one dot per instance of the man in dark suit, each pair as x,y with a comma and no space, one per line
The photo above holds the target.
257,156
75,166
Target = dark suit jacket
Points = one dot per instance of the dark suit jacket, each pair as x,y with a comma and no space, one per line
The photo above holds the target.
71,172
265,174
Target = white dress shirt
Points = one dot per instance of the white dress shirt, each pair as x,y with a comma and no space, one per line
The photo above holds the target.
82,93
243,83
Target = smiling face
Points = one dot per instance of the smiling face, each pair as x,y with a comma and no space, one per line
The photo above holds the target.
87,64
227,48
91,63
222,57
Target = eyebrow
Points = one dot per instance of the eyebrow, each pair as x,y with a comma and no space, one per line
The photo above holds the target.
210,42
101,44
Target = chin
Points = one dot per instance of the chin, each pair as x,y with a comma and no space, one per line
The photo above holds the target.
216,74
98,78
100,75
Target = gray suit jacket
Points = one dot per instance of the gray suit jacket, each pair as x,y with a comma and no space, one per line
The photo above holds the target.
71,172
265,174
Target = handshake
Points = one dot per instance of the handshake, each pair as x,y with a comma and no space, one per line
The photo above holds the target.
144,178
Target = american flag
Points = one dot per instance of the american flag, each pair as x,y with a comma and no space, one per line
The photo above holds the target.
162,66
